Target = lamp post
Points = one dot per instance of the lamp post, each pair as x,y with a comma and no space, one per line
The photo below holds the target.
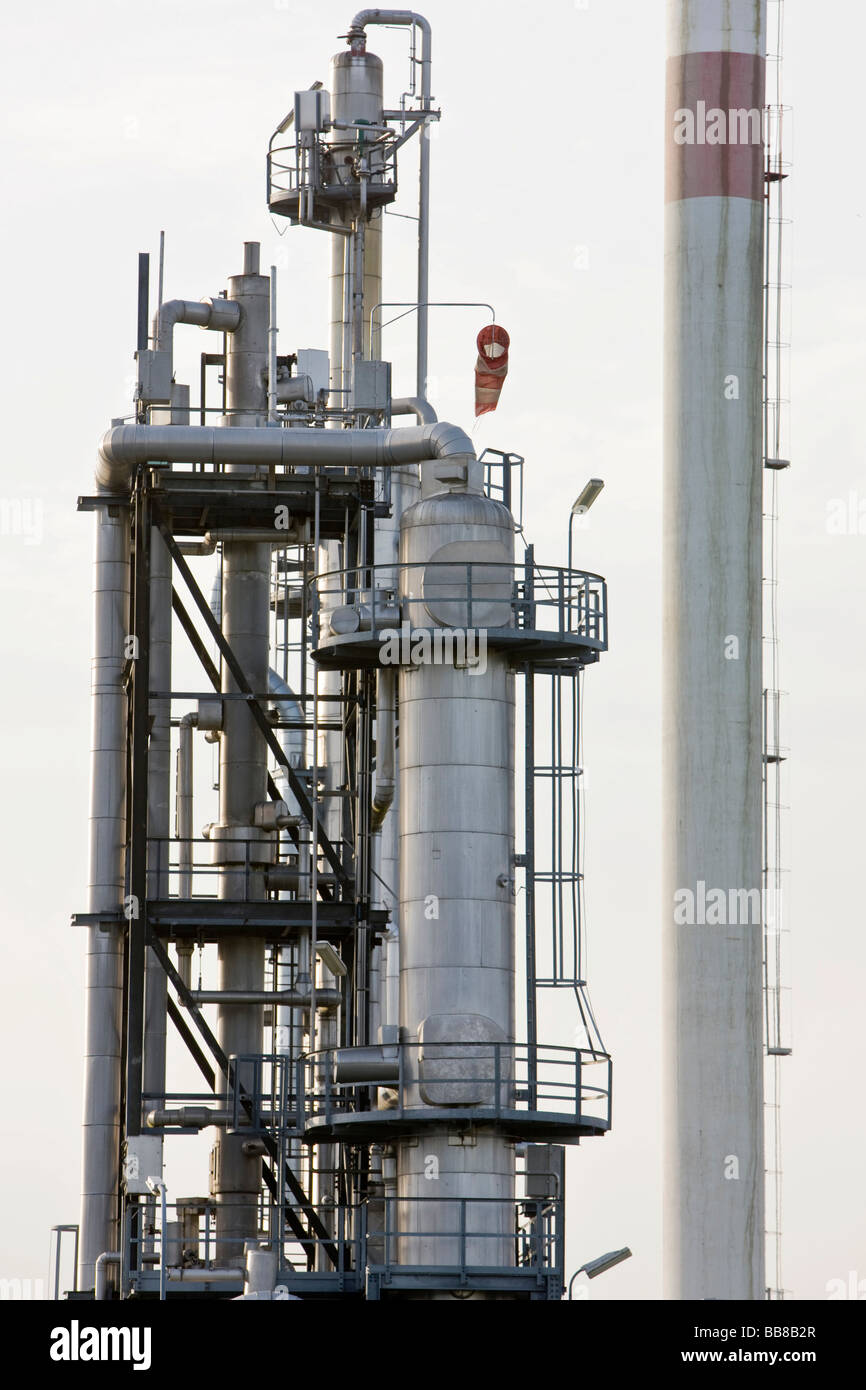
582,504
593,1268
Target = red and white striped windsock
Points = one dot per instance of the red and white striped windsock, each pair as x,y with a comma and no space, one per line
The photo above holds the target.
491,367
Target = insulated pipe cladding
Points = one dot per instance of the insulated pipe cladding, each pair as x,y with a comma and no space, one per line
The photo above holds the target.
713,1118
242,850
456,907
104,983
356,259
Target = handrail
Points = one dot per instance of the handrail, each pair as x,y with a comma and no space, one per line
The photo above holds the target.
578,597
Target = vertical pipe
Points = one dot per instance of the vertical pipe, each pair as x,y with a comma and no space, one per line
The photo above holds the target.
158,809
104,984
423,216
184,818
159,768
243,854
713,1120
161,279
272,348
357,40
143,296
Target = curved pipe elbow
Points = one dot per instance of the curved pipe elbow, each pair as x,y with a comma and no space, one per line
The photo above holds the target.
417,406
431,441
365,17
224,315
386,743
382,802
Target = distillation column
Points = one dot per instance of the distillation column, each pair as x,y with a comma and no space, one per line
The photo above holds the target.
456,855
241,849
713,1206
356,258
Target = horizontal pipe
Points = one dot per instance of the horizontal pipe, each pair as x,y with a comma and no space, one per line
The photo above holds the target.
292,998
288,536
283,878
123,447
190,1117
296,388
196,1275
366,1064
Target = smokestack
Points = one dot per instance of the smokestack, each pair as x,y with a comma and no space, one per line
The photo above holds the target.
714,219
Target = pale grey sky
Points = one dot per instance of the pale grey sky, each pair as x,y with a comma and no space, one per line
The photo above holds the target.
123,118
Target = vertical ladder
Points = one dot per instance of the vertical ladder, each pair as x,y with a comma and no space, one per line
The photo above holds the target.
776,355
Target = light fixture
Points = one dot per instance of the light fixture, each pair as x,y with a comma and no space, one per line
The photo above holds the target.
604,1262
329,958
587,496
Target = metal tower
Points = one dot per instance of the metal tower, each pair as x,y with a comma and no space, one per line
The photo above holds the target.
386,1120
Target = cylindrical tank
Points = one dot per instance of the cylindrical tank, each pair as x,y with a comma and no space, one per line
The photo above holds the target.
356,95
713,1120
456,793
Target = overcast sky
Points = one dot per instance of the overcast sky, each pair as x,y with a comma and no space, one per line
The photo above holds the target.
123,118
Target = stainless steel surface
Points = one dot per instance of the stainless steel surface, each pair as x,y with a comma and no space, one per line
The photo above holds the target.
245,620
184,804
414,405
123,446
228,998
158,807
356,271
386,740
104,982
102,1286
219,314
357,38
456,915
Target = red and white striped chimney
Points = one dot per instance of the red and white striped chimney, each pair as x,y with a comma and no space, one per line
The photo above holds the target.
714,220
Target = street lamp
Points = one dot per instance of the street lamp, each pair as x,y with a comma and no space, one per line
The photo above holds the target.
593,1268
583,504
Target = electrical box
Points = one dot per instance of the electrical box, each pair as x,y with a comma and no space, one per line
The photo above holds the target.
316,364
372,386
545,1170
312,111
154,376
142,1159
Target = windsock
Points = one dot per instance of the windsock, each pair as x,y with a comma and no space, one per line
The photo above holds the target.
491,367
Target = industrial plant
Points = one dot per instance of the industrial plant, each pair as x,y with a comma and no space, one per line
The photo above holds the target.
341,872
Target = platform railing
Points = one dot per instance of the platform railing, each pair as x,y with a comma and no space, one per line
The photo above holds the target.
477,594
479,1080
